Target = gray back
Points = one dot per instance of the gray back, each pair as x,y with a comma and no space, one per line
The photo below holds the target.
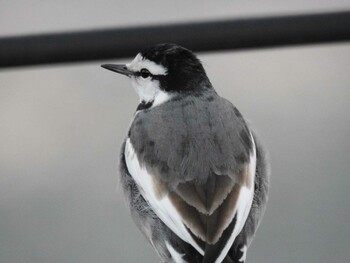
191,137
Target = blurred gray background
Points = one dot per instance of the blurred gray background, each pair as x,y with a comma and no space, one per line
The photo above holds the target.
61,128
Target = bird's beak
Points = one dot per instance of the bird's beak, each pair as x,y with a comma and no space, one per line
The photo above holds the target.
122,69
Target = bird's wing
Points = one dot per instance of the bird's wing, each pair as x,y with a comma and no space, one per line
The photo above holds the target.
207,215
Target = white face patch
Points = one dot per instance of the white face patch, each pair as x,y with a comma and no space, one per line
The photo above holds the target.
148,89
140,62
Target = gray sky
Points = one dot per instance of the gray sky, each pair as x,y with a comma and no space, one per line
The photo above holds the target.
61,128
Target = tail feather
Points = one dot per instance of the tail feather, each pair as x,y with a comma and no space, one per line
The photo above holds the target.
227,259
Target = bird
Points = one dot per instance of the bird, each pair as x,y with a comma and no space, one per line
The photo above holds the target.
194,174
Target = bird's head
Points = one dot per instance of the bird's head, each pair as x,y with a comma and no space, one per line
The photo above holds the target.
162,71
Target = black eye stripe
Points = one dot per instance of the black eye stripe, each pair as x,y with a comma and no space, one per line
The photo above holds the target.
157,77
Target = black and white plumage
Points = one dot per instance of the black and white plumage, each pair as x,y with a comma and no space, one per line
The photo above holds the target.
194,175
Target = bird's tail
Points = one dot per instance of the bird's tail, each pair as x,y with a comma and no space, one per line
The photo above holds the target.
227,259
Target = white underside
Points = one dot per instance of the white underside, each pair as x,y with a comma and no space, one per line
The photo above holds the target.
244,256
177,257
165,210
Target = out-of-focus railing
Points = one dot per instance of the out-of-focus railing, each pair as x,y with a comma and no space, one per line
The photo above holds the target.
235,34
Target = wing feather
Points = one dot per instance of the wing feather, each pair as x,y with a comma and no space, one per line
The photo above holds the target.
213,212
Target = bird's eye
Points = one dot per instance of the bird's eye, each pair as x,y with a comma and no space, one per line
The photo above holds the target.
145,73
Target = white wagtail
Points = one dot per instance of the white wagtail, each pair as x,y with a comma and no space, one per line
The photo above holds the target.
194,175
